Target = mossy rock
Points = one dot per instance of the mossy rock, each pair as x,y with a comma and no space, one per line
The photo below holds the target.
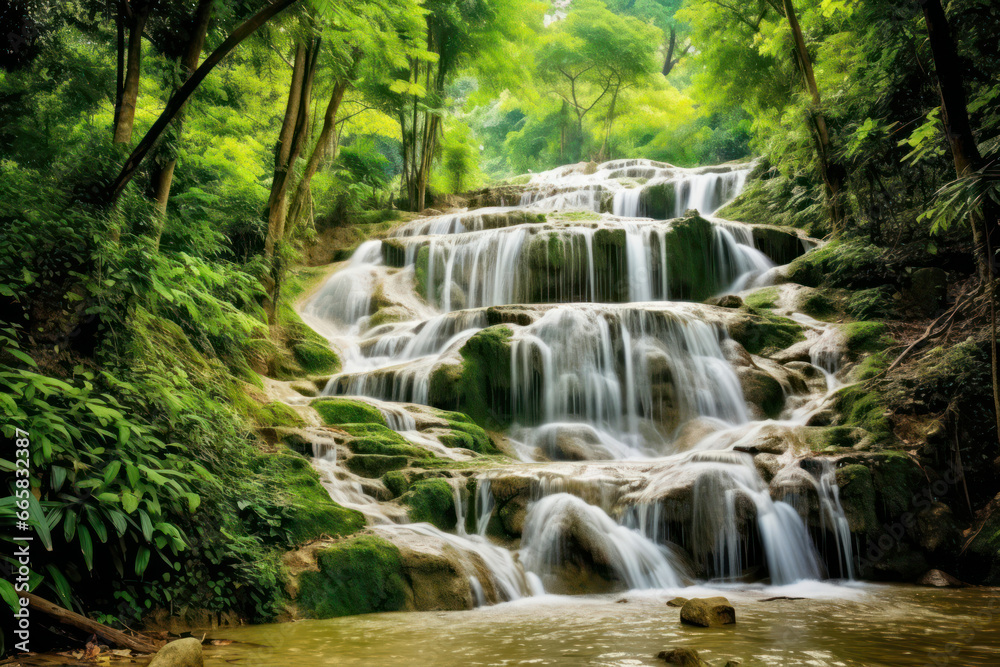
295,330
304,388
375,465
433,501
865,337
781,245
766,297
857,496
466,435
396,482
312,513
316,358
334,411
819,304
658,201
691,268
833,438
445,384
982,556
764,391
278,414
388,315
357,576
897,479
484,388
761,332
864,408
377,439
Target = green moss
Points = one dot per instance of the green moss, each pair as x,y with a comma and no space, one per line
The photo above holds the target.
388,315
982,555
278,414
433,501
295,330
762,298
420,270
484,388
658,201
862,337
396,482
375,465
444,385
865,408
852,264
857,496
818,304
870,304
833,438
468,436
897,478
358,576
762,390
335,411
691,269
761,332
311,512
386,446
316,358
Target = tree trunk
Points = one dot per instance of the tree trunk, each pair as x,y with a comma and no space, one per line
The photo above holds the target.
312,166
180,98
64,616
833,174
293,132
120,60
164,176
955,118
129,97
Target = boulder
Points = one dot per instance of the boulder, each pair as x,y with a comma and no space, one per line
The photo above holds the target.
676,602
708,612
681,656
928,290
180,653
939,579
726,301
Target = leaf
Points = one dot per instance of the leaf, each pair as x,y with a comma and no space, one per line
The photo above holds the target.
40,521
130,501
9,595
146,524
61,586
22,356
69,526
142,560
112,471
86,546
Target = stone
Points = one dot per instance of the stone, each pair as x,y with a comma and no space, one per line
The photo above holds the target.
676,602
708,612
939,579
179,653
726,301
681,656
928,290
305,388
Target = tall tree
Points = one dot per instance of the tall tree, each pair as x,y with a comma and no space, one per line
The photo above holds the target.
133,16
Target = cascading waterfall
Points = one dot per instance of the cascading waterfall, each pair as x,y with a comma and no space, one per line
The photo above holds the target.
605,370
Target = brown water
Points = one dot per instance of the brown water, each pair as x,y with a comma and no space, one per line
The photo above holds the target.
863,625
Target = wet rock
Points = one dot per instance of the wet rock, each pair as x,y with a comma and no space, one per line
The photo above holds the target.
512,495
179,653
939,579
763,393
767,465
726,301
375,465
681,656
676,602
708,612
798,352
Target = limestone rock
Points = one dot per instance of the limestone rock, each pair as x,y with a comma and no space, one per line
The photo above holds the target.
676,602
179,653
305,388
708,612
939,579
681,656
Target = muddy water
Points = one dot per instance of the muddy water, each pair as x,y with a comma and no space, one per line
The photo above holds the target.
834,625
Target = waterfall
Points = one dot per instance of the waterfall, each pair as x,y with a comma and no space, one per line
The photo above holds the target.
608,380
561,526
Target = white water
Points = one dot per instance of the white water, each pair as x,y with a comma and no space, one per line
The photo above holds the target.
620,383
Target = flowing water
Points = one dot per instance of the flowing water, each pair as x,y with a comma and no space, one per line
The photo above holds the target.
629,412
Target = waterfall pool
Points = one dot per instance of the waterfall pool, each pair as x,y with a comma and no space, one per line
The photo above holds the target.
855,624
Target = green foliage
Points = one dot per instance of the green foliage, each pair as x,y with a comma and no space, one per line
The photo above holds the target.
431,501
346,411
357,576
279,414
316,358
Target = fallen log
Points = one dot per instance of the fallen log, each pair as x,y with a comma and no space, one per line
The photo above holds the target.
107,633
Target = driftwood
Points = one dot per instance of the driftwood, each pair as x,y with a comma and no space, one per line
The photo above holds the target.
109,634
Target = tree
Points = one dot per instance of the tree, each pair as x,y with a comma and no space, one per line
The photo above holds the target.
133,17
